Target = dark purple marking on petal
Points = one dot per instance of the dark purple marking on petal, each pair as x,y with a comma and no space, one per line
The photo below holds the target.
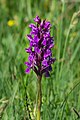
51,45
30,58
28,64
44,42
32,25
28,50
37,19
36,39
47,53
47,25
29,37
37,50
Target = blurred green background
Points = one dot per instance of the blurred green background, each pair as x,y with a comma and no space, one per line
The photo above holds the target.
61,92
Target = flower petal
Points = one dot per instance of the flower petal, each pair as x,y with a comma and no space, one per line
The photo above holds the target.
29,37
28,64
30,58
44,42
47,53
37,19
28,50
37,50
32,25
44,62
51,45
27,70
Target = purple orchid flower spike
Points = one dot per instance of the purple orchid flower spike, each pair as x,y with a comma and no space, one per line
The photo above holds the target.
41,43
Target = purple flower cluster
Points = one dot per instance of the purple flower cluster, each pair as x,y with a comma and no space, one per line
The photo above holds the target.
41,42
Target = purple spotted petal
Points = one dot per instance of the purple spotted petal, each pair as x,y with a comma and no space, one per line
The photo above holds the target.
28,64
44,42
47,53
27,70
29,37
47,25
28,50
31,58
37,50
32,25
37,19
36,39
44,62
51,45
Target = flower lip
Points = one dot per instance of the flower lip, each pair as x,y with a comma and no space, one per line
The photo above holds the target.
28,50
28,64
32,25
44,62
37,19
27,70
29,37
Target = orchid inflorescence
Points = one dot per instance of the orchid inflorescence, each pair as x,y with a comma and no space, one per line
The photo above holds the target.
41,42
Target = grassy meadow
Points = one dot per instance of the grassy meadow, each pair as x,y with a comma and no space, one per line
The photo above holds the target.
61,91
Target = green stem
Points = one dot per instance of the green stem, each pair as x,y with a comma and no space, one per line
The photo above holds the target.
39,98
